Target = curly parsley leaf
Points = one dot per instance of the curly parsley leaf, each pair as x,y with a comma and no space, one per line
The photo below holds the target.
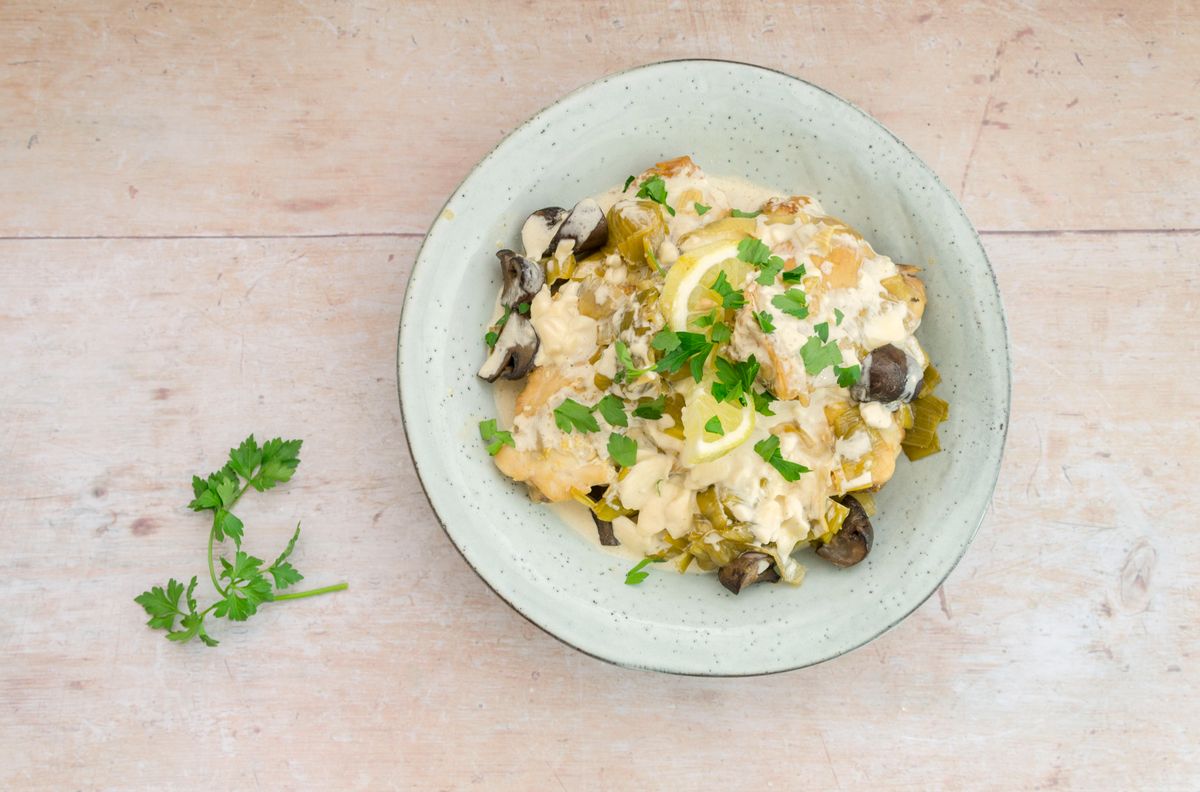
613,410
655,189
622,449
573,415
818,356
495,437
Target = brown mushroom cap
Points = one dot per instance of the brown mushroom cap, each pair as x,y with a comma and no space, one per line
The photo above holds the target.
888,375
523,278
852,543
747,569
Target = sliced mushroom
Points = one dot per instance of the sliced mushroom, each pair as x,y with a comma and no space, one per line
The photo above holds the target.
852,543
604,528
586,227
747,569
888,375
515,350
540,227
523,278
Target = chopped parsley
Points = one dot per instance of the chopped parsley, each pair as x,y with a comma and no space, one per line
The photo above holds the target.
822,331
654,260
734,380
628,182
655,189
495,437
794,275
818,356
622,449
740,213
770,268
792,302
665,340
721,333
651,410
769,450
713,426
707,319
636,575
688,348
762,402
730,297
848,376
700,208
573,415
838,316
753,251
628,371
613,410
523,309
493,335
765,322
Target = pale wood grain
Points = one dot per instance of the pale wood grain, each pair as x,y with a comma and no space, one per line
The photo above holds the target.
234,118
1061,653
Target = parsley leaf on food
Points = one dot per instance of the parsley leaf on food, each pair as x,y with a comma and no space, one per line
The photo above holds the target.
655,189
721,333
665,340
822,331
740,213
622,449
792,302
753,251
613,410
768,449
762,402
734,380
713,426
495,437
818,356
731,298
651,410
692,350
628,182
627,371
701,209
706,320
838,316
794,275
765,322
847,376
770,269
573,415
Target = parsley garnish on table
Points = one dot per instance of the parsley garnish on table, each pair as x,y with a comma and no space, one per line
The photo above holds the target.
247,583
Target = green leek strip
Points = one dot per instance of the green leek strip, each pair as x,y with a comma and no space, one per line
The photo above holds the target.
922,439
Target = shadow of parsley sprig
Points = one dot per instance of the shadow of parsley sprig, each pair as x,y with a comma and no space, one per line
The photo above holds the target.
247,583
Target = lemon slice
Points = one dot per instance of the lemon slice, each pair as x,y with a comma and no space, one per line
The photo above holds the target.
687,294
701,445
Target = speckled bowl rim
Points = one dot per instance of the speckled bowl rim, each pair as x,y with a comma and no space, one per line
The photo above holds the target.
991,273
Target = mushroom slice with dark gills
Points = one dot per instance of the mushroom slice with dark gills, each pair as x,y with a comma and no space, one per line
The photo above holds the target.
604,528
517,345
585,227
539,229
888,375
746,570
852,543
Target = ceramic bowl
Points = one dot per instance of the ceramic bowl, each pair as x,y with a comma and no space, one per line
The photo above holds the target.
771,128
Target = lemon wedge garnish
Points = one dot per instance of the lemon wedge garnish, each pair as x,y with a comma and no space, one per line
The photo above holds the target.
687,294
701,445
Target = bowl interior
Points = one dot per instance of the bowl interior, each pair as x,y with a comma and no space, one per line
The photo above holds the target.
735,120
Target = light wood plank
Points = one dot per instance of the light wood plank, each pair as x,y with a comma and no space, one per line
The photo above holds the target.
1061,653
154,118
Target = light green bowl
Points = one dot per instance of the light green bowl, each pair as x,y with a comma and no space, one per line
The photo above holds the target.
742,121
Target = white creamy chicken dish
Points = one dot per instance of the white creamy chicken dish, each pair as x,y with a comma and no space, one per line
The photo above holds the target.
720,386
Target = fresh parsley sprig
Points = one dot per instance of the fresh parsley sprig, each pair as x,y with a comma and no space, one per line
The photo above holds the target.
768,449
681,349
636,575
246,585
655,189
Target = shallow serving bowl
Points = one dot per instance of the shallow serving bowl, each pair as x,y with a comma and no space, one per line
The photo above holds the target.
734,120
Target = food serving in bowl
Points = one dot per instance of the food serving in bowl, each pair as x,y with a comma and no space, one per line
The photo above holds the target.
720,375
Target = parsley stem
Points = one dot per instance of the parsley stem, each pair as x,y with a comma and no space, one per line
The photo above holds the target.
312,592
212,568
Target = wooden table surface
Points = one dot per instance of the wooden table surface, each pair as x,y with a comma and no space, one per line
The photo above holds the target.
208,213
